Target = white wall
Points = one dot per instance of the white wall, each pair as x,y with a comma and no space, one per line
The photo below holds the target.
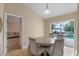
33,24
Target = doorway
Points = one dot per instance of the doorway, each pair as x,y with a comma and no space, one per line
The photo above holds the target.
12,32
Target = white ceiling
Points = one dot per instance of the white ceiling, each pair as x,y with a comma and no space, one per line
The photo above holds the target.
55,8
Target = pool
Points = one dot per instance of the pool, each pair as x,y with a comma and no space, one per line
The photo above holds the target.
71,36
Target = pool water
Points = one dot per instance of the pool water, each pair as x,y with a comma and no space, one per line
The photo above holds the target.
69,36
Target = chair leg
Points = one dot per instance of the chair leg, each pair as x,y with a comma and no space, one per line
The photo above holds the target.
29,52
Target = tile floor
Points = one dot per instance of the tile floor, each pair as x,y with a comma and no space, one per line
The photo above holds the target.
68,51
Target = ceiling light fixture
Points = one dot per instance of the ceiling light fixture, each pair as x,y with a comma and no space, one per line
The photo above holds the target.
46,9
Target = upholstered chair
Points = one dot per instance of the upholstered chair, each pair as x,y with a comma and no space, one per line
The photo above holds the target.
58,48
35,50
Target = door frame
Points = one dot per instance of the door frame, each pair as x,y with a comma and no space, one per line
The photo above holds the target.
5,30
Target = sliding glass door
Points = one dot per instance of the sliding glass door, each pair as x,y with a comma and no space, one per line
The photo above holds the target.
66,28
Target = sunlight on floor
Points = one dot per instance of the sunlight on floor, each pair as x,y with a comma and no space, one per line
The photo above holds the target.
68,51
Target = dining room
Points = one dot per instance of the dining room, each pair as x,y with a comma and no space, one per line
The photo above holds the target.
39,29
51,45
36,37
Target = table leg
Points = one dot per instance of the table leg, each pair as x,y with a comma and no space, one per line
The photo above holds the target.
45,53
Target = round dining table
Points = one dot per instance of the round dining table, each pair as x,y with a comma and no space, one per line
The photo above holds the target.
45,42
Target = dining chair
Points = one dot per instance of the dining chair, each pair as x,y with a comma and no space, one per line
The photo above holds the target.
35,50
58,48
59,36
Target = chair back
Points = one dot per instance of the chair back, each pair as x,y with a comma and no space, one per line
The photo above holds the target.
58,48
32,45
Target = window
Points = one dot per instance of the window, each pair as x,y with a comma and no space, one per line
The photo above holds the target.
66,28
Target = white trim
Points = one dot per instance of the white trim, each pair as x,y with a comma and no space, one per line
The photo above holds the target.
5,30
13,15
4,35
75,38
